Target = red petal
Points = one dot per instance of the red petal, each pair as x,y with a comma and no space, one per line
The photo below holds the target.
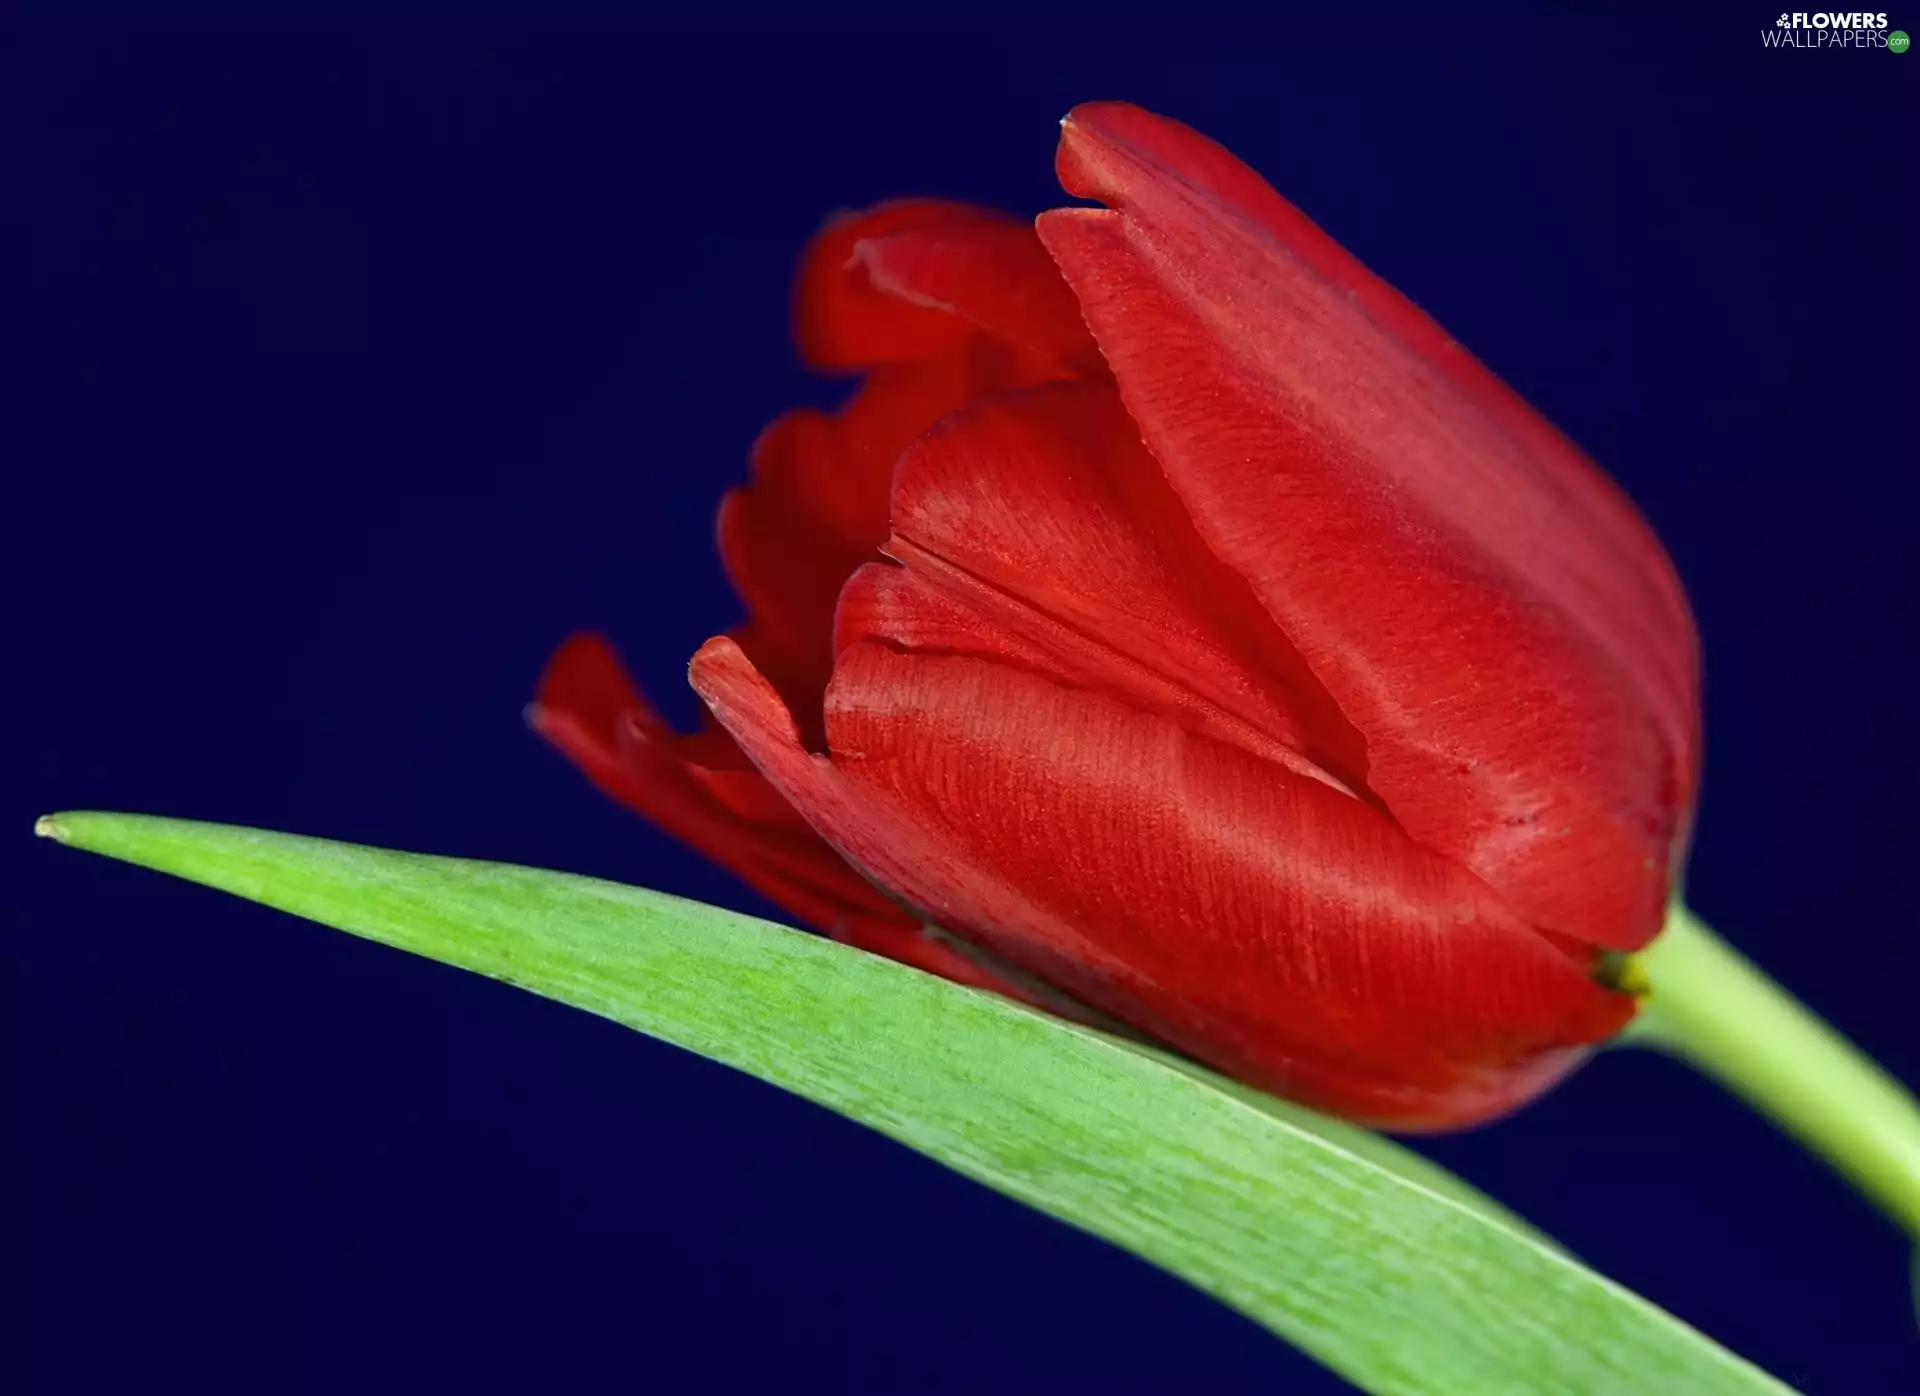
1484,606
914,279
927,611
1264,923
700,789
817,507
943,303
1042,511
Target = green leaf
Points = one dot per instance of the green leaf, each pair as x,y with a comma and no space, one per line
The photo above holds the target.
1378,1263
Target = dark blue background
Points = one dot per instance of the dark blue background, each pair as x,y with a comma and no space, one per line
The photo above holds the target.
351,363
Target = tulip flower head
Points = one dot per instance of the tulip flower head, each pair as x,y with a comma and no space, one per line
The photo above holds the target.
1177,626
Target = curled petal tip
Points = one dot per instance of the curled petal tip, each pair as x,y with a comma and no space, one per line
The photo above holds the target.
736,691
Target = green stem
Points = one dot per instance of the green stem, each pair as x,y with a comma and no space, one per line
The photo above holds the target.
1706,1003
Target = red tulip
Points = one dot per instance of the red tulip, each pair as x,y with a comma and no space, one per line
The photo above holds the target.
1184,624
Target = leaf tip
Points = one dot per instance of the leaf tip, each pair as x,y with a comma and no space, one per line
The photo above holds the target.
48,826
